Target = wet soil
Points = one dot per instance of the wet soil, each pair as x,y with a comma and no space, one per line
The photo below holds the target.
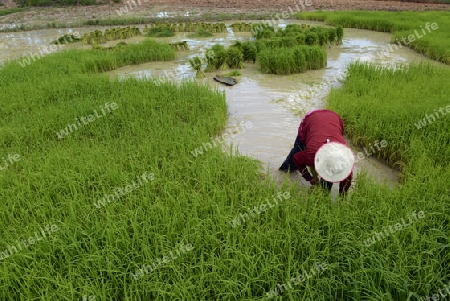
76,15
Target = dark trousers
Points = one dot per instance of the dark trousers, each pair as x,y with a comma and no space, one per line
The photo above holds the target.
289,162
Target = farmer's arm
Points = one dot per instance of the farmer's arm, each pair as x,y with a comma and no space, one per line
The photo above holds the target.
344,185
303,159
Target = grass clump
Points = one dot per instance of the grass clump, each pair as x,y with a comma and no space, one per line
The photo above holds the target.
180,46
235,58
189,27
241,27
66,39
196,64
408,109
216,58
98,37
405,128
201,33
294,49
81,61
292,60
8,11
160,32
434,43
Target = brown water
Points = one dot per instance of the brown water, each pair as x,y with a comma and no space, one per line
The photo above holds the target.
273,104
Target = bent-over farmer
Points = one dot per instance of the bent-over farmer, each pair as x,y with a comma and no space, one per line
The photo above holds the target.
320,144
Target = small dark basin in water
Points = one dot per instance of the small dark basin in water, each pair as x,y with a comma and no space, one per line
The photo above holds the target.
229,81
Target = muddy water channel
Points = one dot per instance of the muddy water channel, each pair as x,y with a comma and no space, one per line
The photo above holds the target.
272,104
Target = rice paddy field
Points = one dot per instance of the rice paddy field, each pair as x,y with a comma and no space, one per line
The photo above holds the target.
103,200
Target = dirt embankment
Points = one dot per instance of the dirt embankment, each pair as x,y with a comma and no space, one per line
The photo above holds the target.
150,8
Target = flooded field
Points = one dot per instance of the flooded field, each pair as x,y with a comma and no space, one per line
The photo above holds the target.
137,197
273,104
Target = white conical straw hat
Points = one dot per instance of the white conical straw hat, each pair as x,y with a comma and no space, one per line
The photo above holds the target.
334,161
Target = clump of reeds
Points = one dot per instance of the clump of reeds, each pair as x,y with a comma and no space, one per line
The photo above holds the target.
196,64
111,34
66,39
220,58
160,32
210,57
262,31
201,33
180,46
217,57
241,27
339,34
232,73
235,58
292,60
189,27
248,49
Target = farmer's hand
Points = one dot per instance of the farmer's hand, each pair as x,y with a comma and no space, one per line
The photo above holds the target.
314,181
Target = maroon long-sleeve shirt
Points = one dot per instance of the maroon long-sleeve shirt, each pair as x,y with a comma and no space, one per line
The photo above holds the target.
314,130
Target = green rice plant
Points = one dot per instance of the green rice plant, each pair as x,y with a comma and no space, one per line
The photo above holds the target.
65,39
180,46
197,27
220,56
211,63
322,37
301,39
160,32
196,64
289,41
421,81
262,31
235,58
316,57
311,38
241,27
290,29
7,11
332,35
224,66
434,43
292,60
250,51
188,27
339,34
99,37
201,33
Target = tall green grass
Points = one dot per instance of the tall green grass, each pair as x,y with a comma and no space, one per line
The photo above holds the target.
294,49
188,26
434,43
76,61
160,32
